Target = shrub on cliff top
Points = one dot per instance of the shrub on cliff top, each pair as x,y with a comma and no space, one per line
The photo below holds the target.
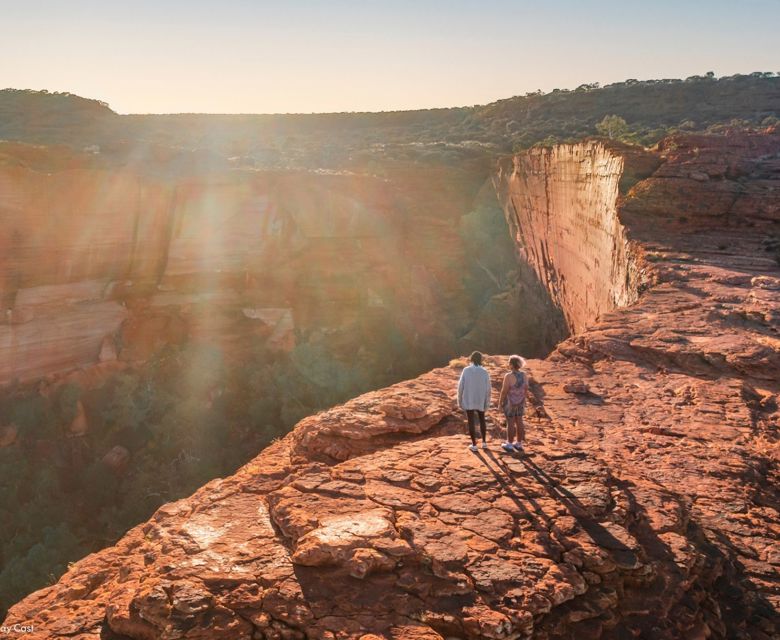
614,127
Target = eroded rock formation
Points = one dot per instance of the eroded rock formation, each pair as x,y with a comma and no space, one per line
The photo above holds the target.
104,262
647,506
562,207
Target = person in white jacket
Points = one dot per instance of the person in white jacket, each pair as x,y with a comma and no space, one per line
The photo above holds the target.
474,397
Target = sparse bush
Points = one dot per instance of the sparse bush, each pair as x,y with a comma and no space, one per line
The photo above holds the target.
614,127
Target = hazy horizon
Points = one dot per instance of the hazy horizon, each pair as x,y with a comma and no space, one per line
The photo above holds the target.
204,57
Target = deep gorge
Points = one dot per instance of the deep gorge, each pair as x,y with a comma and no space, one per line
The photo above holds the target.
103,253
648,507
158,331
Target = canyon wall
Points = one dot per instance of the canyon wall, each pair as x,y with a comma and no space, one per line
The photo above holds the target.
646,504
119,258
561,206
67,238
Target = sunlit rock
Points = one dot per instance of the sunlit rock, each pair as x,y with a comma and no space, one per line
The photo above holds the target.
644,506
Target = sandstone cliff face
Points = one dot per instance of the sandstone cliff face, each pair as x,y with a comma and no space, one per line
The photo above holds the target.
66,237
561,205
647,506
92,254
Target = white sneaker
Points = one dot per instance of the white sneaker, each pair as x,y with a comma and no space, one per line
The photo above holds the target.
473,447
507,446
484,445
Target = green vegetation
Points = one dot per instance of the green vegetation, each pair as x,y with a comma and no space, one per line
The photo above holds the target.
185,418
490,264
614,127
651,110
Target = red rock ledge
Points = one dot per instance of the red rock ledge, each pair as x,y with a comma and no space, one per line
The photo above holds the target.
649,504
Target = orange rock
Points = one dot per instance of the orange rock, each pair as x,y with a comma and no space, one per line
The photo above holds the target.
117,458
8,435
644,508
107,350
79,426
105,245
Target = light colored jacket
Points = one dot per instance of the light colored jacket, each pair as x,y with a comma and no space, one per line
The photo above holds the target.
474,389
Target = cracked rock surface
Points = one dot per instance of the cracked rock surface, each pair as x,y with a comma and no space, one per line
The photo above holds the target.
646,507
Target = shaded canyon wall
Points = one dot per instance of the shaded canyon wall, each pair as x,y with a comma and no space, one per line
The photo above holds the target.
110,263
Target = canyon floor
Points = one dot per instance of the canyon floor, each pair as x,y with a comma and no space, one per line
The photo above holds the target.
646,507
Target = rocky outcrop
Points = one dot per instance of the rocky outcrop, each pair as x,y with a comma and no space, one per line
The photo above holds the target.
647,505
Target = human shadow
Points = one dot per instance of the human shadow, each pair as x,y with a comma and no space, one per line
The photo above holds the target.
621,553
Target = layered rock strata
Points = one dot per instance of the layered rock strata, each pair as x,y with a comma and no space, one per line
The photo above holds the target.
562,208
91,252
647,505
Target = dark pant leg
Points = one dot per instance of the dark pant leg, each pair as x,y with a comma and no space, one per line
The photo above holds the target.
472,416
482,424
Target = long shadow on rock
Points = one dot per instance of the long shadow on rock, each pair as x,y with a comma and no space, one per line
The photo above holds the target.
600,535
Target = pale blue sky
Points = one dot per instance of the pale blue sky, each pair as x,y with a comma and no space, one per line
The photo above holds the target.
233,56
